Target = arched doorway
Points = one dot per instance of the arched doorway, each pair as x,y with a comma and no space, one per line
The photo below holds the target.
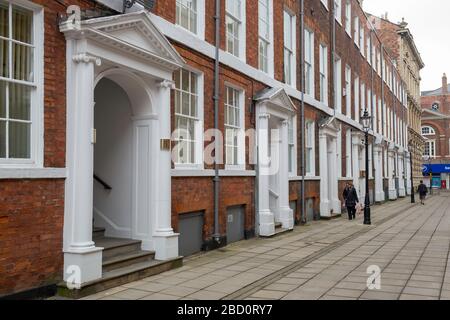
113,160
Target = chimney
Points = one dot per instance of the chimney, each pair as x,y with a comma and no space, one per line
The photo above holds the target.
444,84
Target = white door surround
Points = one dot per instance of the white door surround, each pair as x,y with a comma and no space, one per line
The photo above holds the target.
378,162
391,171
330,205
273,111
129,50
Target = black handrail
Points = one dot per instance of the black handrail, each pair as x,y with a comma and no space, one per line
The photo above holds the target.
103,183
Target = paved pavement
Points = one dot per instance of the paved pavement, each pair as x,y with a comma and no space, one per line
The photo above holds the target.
325,260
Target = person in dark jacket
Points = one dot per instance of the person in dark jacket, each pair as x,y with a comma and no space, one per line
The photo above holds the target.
351,199
423,190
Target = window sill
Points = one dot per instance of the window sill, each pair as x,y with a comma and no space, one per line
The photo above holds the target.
32,173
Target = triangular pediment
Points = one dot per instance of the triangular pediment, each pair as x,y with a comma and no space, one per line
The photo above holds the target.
277,97
133,33
427,113
330,123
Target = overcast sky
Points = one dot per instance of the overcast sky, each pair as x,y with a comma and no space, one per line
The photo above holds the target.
429,22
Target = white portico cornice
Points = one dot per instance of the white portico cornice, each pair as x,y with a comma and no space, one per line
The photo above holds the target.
132,33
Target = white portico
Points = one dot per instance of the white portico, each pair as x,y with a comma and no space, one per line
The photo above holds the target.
330,204
127,57
273,112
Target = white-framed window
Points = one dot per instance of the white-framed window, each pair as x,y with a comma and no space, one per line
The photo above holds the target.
310,149
348,17
348,153
323,74
21,71
368,48
188,133
339,152
325,3
309,62
380,116
235,28
348,90
385,121
190,15
357,100
338,11
430,148
361,40
290,49
363,99
265,36
379,63
234,128
292,129
356,33
338,84
375,113
428,131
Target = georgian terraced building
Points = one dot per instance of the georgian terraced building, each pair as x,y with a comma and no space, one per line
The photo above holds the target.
105,113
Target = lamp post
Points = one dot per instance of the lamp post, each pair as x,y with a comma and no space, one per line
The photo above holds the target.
366,120
413,196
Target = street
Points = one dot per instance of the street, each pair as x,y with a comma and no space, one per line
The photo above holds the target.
324,260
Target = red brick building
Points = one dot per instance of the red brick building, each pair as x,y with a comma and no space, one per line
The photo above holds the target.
109,93
436,132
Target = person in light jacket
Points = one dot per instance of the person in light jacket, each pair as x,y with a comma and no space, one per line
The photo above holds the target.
351,199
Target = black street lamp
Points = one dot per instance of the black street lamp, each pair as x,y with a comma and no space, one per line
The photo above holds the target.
366,121
413,196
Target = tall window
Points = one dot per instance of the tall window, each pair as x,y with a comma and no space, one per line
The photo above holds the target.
233,126
186,14
348,17
186,116
19,113
292,162
357,102
338,85
264,34
348,90
356,34
338,10
361,40
309,62
324,74
430,148
310,149
234,24
289,49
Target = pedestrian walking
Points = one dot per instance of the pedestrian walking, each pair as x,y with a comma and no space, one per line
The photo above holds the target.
423,191
351,199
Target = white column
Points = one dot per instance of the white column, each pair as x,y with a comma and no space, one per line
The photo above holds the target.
391,172
80,253
333,177
408,174
286,213
379,193
266,217
166,241
324,196
401,175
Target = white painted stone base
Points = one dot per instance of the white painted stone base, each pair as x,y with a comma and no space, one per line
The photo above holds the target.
287,218
379,197
325,209
266,223
87,263
393,194
166,246
402,193
337,206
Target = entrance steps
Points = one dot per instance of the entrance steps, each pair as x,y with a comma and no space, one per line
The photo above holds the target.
123,262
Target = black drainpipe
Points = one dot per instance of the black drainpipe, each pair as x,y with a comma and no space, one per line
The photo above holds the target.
216,235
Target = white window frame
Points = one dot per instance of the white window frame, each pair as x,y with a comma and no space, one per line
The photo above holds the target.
431,147
323,74
36,159
361,40
292,145
363,100
242,37
348,18
356,31
338,84
199,125
309,64
338,11
200,32
430,131
348,91
357,100
268,41
310,145
348,153
241,129
325,3
291,51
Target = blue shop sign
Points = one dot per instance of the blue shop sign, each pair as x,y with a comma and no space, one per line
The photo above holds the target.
435,168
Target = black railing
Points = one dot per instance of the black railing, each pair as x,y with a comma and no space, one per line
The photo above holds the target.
103,183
